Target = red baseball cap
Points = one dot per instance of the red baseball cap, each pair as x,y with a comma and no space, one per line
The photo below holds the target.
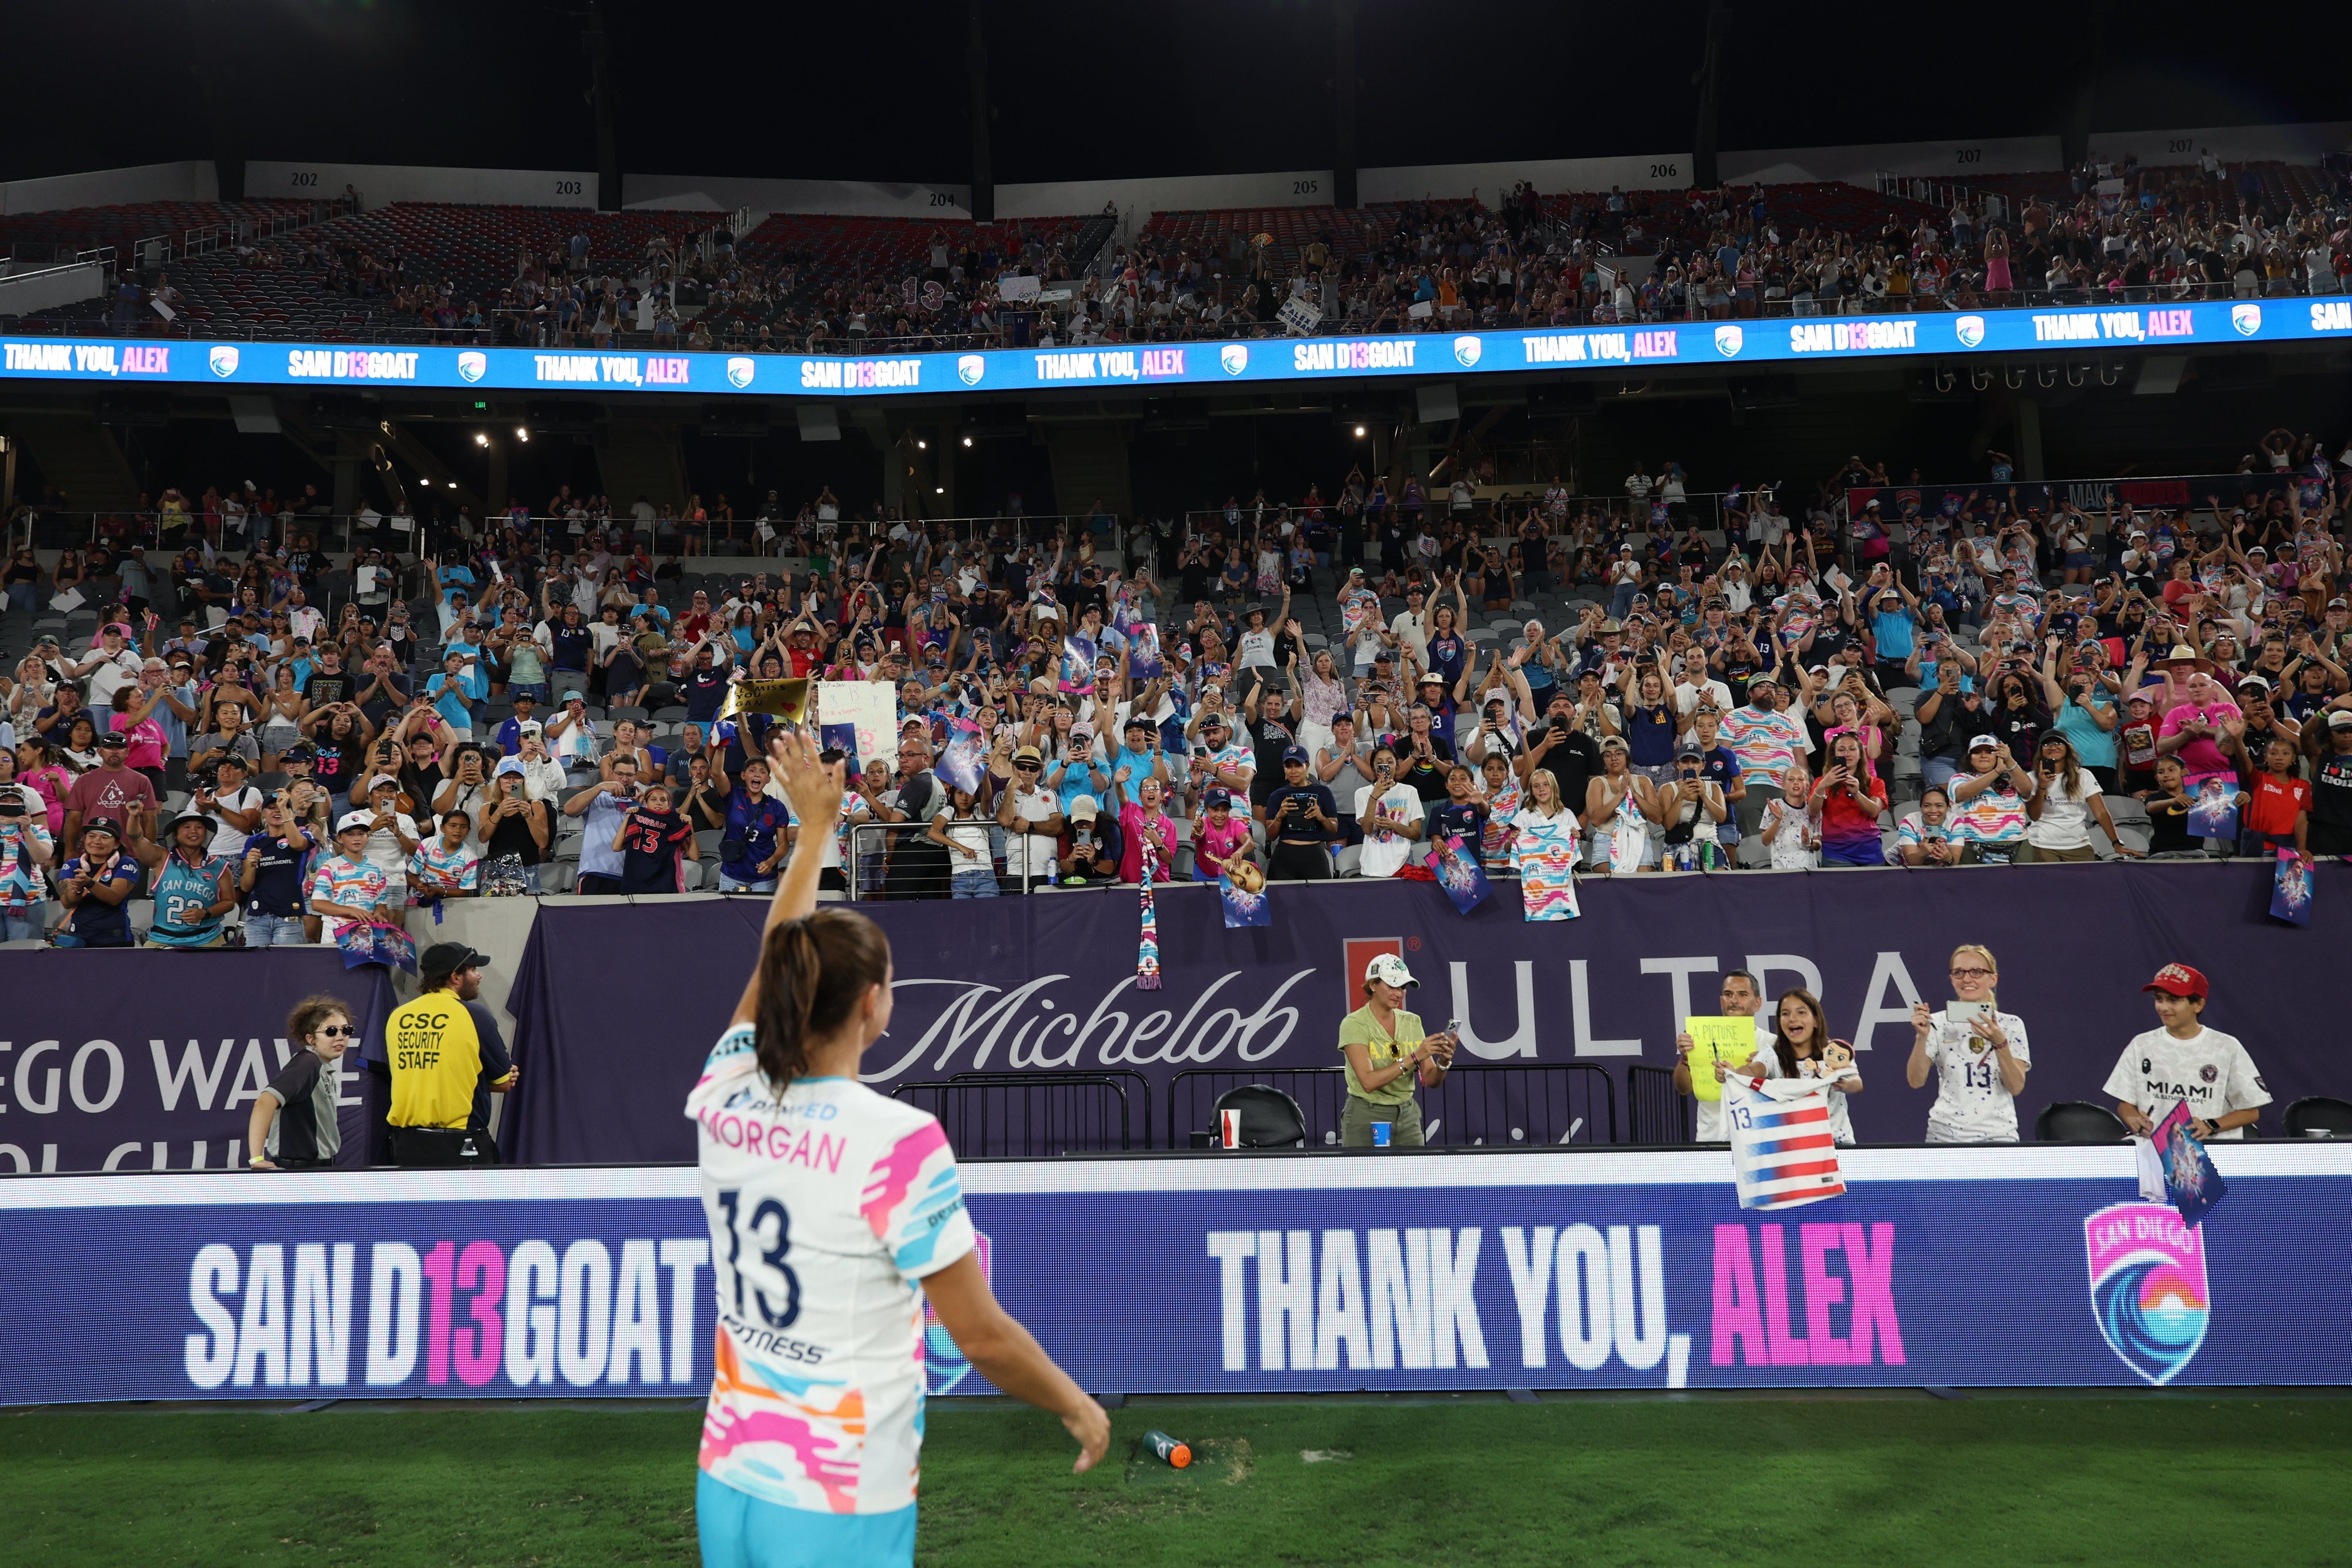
2178,981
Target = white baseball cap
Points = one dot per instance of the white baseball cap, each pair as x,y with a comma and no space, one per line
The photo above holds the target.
1389,969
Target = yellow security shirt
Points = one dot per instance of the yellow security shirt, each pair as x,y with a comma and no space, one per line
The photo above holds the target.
437,1057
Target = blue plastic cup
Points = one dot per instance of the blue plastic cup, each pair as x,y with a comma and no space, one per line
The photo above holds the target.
1382,1131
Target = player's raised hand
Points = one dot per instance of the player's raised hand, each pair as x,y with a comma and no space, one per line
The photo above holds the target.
811,786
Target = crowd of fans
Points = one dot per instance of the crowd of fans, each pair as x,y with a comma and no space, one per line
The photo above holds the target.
1441,265
270,746
2110,231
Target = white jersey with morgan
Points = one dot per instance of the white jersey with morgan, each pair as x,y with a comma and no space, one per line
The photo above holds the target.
828,1207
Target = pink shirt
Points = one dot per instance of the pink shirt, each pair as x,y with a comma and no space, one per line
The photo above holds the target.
146,747
1132,824
50,784
1221,844
2201,755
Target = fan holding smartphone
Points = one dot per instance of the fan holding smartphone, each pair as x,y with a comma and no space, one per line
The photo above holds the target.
1977,1052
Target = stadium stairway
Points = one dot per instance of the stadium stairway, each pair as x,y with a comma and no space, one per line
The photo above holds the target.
1091,237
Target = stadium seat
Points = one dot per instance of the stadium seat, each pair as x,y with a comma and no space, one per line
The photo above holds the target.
2079,1122
1270,1119
2319,1117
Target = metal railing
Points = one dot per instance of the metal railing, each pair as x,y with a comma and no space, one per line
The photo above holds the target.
161,250
1482,1105
1656,1112
1498,516
1321,1093
792,547
1732,303
900,860
1942,194
1508,1103
1038,1115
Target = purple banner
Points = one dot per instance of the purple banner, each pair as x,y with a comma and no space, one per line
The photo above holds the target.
618,1005
152,1061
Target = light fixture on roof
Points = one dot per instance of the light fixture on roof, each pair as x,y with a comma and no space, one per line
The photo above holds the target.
967,441
921,445
1359,432
481,438
522,434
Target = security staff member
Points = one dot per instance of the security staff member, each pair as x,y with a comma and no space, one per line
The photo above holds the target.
446,1056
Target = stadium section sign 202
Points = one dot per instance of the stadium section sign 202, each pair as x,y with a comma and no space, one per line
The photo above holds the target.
1419,355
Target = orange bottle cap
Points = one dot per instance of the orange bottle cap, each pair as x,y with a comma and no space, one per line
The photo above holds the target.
1181,1457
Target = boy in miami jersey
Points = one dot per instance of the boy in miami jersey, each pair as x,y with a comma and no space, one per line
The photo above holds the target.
828,1207
2202,1068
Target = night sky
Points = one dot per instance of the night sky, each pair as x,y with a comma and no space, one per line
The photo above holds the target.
1214,87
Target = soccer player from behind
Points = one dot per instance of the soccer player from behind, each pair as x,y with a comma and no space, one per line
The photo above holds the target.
2186,1061
834,1214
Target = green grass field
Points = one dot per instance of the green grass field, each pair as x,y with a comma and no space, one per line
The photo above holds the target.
1813,1480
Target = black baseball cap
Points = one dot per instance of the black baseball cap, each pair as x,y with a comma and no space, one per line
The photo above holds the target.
448,958
113,738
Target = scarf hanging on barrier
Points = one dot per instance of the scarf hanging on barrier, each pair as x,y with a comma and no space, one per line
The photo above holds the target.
1147,947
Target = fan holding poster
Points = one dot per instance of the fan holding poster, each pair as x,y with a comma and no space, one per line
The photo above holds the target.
1741,998
1077,674
2176,1169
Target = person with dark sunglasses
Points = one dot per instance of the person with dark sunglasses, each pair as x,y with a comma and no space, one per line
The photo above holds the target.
1031,815
293,1126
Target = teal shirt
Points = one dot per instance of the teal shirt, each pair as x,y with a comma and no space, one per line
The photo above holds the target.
2094,746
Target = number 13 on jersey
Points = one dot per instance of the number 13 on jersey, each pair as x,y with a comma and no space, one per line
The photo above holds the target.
779,1302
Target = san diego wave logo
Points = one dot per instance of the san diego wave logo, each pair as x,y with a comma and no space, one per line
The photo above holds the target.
2148,1286
1969,329
1234,358
970,368
944,1361
1466,350
224,360
742,369
2246,318
472,366
1729,341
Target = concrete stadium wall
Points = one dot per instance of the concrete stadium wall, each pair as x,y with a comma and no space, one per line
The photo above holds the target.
193,181
380,183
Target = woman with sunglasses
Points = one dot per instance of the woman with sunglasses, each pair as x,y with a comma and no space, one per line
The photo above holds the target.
293,1126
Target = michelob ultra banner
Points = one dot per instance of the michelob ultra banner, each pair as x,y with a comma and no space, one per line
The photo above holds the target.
1781,1151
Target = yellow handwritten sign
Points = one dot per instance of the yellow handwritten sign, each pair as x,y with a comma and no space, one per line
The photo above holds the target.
787,700
1730,1041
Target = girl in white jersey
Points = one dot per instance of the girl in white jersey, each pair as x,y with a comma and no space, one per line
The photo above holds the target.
1800,1049
1980,1064
834,1213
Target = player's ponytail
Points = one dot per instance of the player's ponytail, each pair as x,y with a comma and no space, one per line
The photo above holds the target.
813,972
